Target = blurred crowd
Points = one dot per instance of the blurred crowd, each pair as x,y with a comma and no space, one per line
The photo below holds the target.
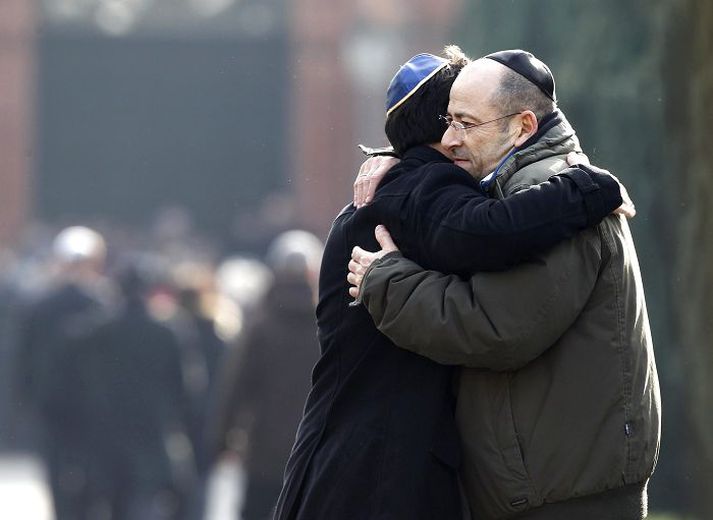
132,365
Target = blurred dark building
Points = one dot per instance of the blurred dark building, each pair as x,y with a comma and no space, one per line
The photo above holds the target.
170,104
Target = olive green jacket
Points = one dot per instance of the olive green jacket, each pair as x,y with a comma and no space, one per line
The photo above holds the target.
559,397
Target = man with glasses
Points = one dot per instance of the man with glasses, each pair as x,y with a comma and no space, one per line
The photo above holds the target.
558,403
378,436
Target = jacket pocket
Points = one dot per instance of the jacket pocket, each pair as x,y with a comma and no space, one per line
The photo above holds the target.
496,479
507,439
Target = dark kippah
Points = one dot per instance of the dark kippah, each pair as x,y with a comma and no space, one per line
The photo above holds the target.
529,67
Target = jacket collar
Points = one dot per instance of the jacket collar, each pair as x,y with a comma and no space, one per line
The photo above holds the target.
555,136
424,154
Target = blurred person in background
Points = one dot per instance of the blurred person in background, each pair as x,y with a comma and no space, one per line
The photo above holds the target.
197,321
204,321
49,323
264,383
127,381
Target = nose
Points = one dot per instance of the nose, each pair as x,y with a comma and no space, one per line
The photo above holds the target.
451,138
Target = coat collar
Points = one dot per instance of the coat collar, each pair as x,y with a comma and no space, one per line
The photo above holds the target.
555,137
424,154
411,160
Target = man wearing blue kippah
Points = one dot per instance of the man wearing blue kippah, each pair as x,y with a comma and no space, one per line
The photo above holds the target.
378,438
558,402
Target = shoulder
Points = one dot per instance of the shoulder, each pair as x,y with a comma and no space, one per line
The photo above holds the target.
346,210
439,172
441,181
339,229
406,178
535,173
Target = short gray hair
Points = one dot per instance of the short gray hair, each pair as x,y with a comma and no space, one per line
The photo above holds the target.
516,93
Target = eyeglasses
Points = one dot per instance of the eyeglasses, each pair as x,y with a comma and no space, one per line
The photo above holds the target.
458,125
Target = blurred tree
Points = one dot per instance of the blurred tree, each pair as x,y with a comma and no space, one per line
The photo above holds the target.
689,85
128,127
635,80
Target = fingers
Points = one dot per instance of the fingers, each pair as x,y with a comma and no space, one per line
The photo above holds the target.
382,168
367,192
362,259
359,184
360,256
574,158
384,238
355,277
363,181
371,172
627,208
357,267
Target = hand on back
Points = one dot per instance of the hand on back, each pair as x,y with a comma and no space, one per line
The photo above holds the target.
362,259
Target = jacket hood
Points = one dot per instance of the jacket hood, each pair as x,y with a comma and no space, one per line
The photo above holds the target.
555,137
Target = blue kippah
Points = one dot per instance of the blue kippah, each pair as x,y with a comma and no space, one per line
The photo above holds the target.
529,67
412,74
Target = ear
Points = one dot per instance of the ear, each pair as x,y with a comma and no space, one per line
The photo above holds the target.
527,128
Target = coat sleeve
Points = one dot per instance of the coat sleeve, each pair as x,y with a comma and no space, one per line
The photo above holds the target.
497,321
463,232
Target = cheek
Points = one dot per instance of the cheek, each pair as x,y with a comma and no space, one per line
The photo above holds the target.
489,146
475,146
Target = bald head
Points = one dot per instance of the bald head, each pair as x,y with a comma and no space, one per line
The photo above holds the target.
80,251
79,244
478,82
